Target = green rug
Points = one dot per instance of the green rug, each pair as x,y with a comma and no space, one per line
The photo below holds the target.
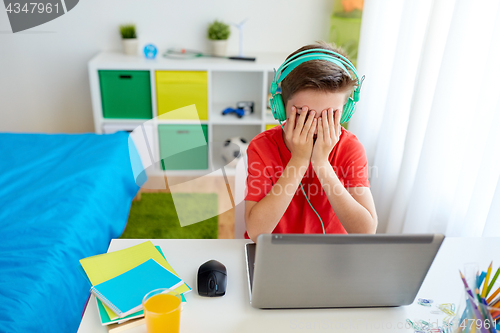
154,216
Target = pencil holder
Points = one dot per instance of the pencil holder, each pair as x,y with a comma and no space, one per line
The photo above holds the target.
474,314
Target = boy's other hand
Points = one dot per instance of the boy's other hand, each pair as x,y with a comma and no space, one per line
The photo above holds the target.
329,131
299,131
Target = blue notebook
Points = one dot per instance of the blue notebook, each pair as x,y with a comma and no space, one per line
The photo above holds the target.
124,293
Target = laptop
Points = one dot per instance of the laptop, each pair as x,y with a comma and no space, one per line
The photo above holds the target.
328,271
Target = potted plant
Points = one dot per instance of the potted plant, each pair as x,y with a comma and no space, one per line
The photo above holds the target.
218,33
129,39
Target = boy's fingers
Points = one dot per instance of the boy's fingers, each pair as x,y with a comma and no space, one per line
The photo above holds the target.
331,123
326,130
330,116
338,115
308,123
310,134
290,123
320,128
300,123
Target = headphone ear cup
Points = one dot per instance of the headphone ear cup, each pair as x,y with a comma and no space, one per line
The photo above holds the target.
278,108
349,108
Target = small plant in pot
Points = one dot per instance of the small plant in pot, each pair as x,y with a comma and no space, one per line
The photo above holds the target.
218,33
129,39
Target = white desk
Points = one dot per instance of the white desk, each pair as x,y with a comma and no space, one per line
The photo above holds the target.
233,312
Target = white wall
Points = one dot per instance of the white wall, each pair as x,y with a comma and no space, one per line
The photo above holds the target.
43,71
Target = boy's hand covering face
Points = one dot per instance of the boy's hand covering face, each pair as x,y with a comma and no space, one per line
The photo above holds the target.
307,104
329,131
299,132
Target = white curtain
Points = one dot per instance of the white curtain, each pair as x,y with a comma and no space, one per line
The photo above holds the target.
429,114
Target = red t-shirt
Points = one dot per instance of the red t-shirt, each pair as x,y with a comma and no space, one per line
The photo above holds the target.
268,157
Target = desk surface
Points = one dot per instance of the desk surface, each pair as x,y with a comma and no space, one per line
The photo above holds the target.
233,312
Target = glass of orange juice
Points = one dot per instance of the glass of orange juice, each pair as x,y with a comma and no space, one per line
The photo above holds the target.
162,310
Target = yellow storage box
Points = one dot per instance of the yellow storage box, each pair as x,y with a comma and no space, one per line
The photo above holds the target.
177,89
269,126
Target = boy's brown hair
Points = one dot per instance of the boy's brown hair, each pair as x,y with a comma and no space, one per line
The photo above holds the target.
319,75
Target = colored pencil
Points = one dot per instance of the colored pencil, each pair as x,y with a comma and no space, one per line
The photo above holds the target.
493,281
480,278
486,280
493,295
471,296
487,314
476,291
477,295
468,305
467,289
494,302
464,319
495,309
482,310
495,314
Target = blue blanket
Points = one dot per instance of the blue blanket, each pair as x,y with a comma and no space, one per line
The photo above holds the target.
62,198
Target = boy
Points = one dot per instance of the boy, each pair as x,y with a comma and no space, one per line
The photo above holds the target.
312,149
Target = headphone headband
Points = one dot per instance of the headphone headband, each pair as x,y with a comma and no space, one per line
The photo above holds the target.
325,51
308,57
332,54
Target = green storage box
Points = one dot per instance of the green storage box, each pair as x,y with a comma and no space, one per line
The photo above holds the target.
126,94
176,147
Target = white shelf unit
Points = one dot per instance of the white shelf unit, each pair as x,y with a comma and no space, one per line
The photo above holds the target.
229,81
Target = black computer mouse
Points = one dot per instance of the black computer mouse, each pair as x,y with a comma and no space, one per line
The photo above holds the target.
212,279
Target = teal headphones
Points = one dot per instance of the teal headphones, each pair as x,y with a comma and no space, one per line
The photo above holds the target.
277,105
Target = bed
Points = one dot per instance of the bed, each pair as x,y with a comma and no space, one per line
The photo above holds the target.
63,197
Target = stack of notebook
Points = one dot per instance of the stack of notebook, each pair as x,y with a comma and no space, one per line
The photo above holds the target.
122,278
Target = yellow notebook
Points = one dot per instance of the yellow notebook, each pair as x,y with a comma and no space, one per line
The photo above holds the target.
102,267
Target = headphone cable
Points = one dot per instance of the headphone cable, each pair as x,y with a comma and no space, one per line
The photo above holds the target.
305,195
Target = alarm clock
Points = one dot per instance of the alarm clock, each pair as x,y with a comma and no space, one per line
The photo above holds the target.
150,51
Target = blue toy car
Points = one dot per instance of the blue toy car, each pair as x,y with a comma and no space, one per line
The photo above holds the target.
239,112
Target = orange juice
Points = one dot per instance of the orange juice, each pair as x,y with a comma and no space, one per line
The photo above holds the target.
163,313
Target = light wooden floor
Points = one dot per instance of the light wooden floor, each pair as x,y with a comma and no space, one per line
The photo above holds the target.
202,185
